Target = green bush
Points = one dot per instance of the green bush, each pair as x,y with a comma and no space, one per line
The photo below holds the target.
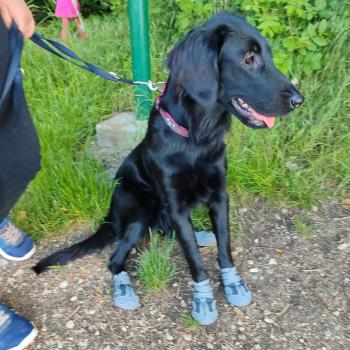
297,30
42,9
94,7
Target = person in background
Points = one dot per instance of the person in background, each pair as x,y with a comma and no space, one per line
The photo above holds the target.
66,10
19,157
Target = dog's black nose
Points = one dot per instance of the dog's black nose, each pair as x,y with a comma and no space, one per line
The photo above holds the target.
294,96
296,99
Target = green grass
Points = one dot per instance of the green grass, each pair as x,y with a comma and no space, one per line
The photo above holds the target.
189,322
303,160
156,267
301,227
66,104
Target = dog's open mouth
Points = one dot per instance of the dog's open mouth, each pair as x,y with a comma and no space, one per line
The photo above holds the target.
251,117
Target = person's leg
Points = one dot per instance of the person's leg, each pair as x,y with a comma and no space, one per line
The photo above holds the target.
19,162
65,29
80,27
19,152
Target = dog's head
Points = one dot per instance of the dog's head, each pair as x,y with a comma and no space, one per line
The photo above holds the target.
227,61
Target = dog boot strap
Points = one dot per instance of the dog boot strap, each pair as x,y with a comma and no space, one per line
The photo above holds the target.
235,289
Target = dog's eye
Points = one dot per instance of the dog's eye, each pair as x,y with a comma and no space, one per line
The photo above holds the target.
249,58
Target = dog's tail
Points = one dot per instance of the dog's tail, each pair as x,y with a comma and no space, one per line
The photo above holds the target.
103,236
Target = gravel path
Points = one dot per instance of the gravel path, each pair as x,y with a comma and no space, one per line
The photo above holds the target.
301,289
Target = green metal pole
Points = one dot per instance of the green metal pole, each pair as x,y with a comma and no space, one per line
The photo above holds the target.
139,33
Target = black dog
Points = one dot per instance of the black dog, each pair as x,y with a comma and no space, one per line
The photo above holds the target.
221,68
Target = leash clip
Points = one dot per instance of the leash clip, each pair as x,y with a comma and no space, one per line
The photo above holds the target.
152,86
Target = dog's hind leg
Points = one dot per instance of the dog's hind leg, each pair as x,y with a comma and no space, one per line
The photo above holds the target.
236,290
203,303
124,294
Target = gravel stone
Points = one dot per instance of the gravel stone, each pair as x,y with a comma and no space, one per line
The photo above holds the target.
63,284
272,261
254,270
70,324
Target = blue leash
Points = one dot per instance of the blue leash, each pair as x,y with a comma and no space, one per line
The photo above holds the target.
62,51
14,73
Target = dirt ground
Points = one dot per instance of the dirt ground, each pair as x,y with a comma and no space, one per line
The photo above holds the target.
301,287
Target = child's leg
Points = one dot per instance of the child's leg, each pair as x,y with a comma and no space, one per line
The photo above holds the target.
80,28
65,29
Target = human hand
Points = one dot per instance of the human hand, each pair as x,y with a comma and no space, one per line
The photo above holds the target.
18,11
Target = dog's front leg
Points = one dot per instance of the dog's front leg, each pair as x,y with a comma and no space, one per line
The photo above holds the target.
236,290
185,236
203,303
125,296
218,212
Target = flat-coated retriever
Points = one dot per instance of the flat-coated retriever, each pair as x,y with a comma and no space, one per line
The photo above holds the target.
221,68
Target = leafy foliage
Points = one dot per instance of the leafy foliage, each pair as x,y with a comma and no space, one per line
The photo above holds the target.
95,7
42,9
298,30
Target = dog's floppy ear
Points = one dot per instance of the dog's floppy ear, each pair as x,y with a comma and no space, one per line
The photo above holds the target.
193,63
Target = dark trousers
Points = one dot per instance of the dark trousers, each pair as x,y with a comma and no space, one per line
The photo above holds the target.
19,144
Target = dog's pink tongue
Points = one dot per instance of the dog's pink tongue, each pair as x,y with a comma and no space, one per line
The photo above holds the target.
269,121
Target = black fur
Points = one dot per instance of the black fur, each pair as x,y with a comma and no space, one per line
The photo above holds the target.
167,175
